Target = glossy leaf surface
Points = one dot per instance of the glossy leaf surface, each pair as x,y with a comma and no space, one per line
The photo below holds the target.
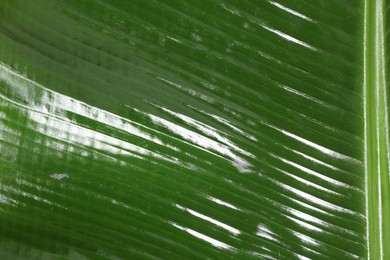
194,129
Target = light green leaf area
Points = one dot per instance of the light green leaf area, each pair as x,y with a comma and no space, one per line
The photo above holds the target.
210,129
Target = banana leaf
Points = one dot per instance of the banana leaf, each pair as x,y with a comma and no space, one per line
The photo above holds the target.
210,129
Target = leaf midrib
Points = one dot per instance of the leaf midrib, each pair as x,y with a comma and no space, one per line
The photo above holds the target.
376,133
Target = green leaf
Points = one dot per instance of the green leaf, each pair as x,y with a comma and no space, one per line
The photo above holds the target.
194,129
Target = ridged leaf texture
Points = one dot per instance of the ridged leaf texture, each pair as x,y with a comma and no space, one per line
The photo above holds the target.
210,129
